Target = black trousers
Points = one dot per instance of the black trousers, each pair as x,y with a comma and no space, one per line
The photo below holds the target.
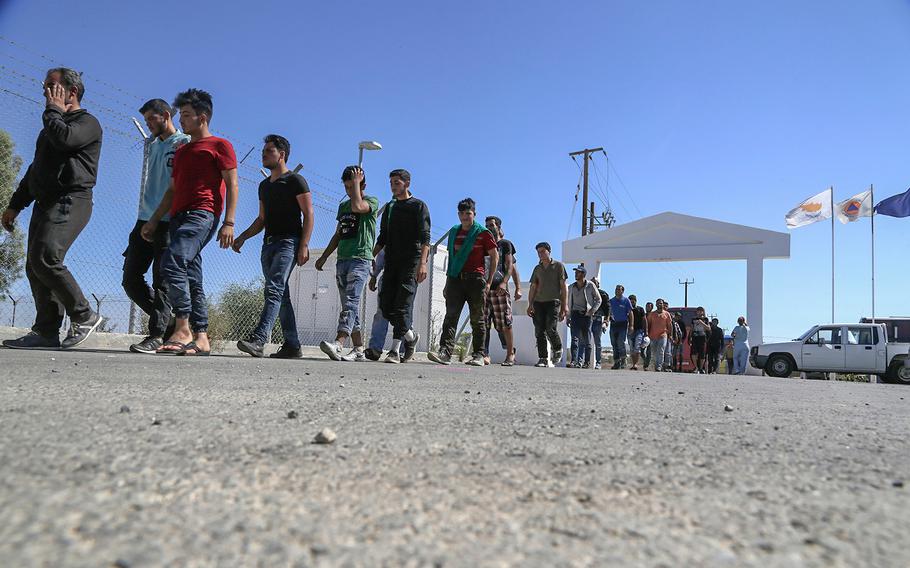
396,296
51,232
546,316
468,288
137,258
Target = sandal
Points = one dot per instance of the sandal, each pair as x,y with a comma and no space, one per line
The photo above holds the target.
508,363
196,351
162,351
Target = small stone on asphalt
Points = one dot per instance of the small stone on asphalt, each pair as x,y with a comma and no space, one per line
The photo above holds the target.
124,409
325,436
728,408
897,483
292,414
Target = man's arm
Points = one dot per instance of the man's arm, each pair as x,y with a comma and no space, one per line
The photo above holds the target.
516,278
255,227
425,243
563,297
226,233
148,229
305,202
595,304
494,262
20,199
532,293
507,263
77,134
329,248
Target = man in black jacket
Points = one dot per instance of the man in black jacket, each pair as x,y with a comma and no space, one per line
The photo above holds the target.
59,181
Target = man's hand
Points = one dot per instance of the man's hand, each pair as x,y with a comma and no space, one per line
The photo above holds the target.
531,310
563,312
421,272
226,236
356,178
517,294
238,243
303,255
56,96
320,262
590,313
372,284
9,219
148,230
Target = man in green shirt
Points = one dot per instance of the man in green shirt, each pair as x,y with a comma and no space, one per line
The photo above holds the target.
354,238
547,304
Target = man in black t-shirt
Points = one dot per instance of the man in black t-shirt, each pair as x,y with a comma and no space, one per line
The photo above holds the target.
715,345
498,305
283,196
404,234
639,331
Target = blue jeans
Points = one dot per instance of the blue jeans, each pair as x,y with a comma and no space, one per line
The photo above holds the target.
181,265
581,334
278,259
597,331
740,358
618,331
351,275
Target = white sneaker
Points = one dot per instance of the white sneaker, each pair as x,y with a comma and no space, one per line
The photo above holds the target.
393,357
333,350
356,355
476,361
596,366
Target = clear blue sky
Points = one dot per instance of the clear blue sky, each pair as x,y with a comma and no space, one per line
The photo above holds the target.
726,110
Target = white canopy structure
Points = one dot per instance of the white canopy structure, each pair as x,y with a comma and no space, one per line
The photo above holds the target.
672,237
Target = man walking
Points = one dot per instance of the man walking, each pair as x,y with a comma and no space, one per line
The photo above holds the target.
621,322
141,254
584,300
380,326
639,330
59,181
355,237
547,304
283,197
715,345
406,242
204,183
660,330
646,352
498,305
679,341
466,281
598,321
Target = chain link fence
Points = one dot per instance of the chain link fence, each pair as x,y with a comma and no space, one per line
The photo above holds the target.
233,281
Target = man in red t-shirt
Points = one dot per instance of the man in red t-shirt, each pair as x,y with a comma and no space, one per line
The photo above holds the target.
467,281
203,183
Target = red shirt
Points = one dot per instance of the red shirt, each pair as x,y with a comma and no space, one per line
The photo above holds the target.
482,244
197,175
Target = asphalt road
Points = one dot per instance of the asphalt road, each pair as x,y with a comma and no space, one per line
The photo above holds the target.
452,466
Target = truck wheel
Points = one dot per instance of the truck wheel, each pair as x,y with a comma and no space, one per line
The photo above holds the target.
899,373
779,366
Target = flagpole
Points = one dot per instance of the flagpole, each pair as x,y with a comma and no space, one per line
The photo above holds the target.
832,252
872,200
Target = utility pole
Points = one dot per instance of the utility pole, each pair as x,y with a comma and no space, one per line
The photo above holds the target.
591,219
686,283
584,208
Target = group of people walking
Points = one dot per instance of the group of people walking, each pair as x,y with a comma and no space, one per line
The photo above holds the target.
190,180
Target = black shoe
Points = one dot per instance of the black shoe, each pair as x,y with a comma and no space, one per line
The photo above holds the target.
286,352
79,332
251,346
33,341
148,345
372,354
409,348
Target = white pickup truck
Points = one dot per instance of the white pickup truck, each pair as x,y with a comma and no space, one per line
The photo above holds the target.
860,348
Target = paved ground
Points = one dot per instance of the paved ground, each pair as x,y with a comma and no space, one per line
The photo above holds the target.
449,466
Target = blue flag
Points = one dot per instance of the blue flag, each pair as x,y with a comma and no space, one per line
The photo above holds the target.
895,206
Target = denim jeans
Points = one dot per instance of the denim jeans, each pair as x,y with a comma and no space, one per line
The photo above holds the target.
351,275
668,354
658,351
597,331
740,358
581,333
137,258
181,265
618,331
278,259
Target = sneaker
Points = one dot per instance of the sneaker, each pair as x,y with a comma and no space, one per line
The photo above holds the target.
252,347
542,363
148,345
476,361
570,364
557,355
616,365
285,352
333,350
33,341
393,357
634,368
596,366
79,332
372,354
442,358
356,355
409,348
